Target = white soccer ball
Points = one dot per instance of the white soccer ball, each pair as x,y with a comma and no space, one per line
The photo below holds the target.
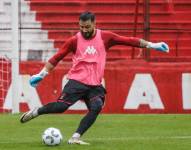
52,136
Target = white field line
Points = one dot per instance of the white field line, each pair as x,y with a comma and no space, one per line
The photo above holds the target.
137,138
113,139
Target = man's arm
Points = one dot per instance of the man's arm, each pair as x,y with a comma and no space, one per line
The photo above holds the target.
110,39
69,46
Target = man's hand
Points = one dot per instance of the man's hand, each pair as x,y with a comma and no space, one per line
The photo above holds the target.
161,46
35,79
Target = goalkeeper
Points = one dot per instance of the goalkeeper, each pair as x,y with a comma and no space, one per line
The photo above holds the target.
89,47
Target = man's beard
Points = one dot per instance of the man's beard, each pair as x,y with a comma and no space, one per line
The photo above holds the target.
87,35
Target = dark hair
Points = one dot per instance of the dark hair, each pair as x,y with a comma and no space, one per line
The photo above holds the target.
86,16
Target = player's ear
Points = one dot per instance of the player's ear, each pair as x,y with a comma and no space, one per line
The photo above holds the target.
94,24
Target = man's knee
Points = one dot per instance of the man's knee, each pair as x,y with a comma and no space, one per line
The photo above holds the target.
96,105
61,106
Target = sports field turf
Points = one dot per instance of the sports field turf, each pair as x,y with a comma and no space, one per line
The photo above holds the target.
110,132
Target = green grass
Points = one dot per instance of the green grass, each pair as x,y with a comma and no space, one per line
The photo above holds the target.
110,132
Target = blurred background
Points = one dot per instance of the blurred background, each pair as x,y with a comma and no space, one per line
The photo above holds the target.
137,80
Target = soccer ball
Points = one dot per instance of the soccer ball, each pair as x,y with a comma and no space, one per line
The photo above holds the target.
52,136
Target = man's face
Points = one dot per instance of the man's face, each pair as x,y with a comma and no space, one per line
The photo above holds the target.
87,28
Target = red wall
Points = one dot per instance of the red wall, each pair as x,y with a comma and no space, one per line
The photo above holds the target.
119,77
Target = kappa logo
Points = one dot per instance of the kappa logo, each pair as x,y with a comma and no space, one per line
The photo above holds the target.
90,50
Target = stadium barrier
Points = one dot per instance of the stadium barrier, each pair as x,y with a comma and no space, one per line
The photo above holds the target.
134,87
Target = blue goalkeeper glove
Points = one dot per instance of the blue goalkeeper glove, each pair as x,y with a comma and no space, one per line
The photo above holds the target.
35,79
161,46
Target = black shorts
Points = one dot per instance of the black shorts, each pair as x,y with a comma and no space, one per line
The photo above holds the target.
74,91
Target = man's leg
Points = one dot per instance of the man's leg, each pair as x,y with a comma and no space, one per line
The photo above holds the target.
90,117
72,92
95,106
54,107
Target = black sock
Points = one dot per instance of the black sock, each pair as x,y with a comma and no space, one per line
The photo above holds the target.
89,119
54,107
86,122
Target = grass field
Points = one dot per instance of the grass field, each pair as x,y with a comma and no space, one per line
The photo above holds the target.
110,132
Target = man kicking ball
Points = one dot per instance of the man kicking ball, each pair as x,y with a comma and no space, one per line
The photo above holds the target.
89,47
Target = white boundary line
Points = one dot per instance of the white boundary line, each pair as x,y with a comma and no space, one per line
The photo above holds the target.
137,138
116,139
